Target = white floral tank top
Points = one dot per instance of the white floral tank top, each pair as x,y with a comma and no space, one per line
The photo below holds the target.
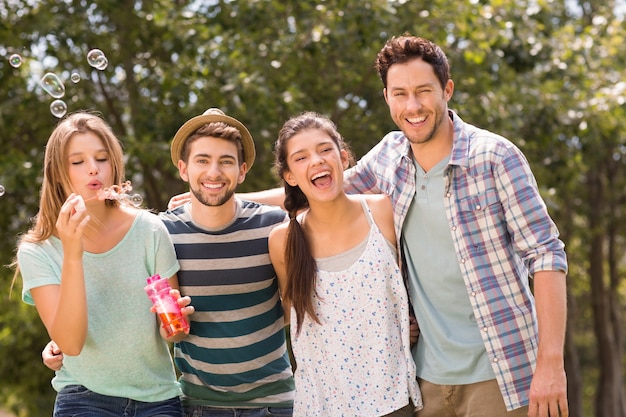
357,362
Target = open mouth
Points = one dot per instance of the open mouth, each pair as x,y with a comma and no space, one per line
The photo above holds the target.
321,179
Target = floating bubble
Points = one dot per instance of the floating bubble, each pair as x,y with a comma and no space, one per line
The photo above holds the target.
75,77
104,62
135,199
53,85
97,59
2,190
58,108
15,60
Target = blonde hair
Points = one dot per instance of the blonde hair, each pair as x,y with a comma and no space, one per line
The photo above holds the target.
56,185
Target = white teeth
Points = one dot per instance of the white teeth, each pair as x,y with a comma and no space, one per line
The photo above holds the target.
212,186
416,119
319,175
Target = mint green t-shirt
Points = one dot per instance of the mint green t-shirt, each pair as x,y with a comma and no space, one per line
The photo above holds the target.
450,349
124,354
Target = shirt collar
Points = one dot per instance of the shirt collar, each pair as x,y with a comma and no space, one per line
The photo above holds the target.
460,141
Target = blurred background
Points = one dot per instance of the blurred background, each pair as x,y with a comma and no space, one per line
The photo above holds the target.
547,74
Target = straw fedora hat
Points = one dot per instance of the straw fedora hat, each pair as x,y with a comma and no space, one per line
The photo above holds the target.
210,116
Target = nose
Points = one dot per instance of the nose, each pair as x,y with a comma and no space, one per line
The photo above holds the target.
93,167
213,169
317,159
413,102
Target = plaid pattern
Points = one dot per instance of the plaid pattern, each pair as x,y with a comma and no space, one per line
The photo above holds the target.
502,234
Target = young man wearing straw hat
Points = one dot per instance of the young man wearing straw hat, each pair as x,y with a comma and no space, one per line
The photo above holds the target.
235,356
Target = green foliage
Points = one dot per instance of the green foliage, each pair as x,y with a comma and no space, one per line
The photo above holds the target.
548,74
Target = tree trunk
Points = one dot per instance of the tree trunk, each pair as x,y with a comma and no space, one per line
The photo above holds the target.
608,398
572,359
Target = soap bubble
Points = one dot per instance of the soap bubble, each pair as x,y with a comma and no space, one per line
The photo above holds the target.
58,108
53,85
104,62
135,199
97,59
75,77
2,190
15,60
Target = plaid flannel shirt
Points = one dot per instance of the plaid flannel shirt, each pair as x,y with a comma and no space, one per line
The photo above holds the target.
501,230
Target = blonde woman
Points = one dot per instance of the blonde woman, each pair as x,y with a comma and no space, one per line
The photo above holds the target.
84,264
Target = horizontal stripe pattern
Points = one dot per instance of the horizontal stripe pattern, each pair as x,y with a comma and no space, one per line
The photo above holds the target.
235,354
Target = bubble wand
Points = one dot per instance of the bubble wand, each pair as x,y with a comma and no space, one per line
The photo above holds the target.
120,193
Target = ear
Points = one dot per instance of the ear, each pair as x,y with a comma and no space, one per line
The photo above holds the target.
345,159
182,170
243,169
289,179
449,90
385,95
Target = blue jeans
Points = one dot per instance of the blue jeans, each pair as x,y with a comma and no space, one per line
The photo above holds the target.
78,401
208,411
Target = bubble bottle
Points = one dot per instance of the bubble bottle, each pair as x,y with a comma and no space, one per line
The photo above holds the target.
168,310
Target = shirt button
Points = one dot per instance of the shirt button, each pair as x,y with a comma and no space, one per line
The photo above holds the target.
463,260
473,293
478,207
453,228
448,195
485,329
495,360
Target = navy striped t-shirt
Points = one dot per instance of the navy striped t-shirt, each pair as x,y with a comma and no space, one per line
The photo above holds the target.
235,354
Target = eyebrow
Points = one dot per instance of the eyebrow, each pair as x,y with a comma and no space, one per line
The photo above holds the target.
80,153
209,156
324,143
417,87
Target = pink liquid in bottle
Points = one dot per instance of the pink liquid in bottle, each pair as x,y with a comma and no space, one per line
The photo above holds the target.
168,310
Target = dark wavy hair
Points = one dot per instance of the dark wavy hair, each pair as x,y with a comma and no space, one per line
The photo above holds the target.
405,48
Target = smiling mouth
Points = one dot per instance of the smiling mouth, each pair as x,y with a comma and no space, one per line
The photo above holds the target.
416,120
321,178
212,186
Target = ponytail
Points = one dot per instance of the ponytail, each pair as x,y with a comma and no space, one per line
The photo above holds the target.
299,262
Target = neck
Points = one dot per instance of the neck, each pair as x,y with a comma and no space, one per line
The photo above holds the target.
428,154
100,217
330,214
213,217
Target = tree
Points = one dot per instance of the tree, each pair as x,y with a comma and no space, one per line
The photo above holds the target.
545,73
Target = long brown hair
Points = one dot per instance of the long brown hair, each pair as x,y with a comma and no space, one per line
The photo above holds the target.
299,261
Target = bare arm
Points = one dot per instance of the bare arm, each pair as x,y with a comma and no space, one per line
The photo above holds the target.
548,390
277,243
63,308
271,197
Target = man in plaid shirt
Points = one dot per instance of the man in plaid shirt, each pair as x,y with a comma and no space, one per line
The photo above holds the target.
473,229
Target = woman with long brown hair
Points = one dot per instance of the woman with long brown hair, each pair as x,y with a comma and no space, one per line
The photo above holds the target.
336,262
